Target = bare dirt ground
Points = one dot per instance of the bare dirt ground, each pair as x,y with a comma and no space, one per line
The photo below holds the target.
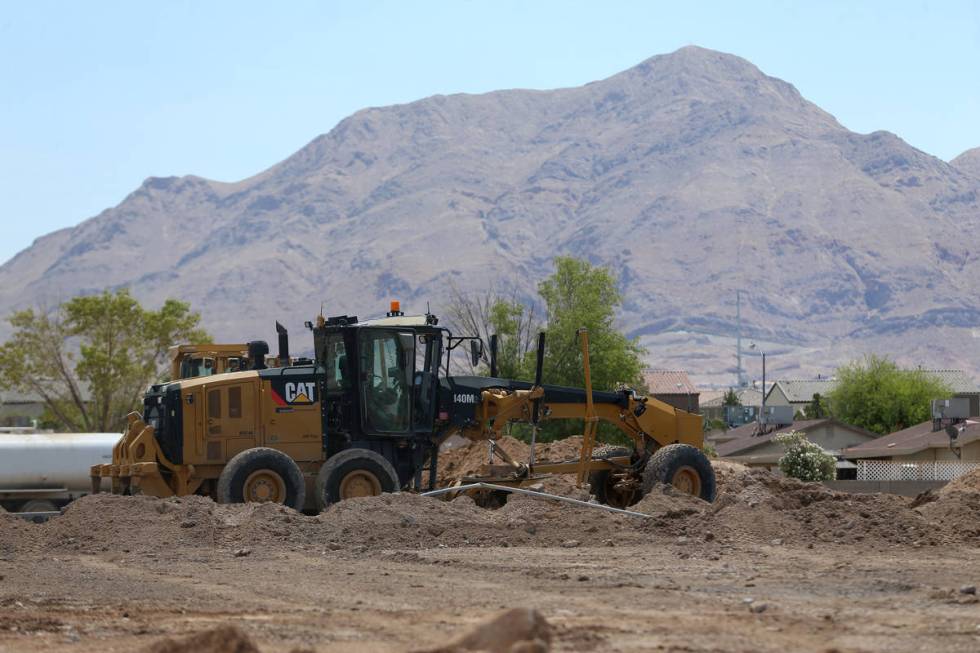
772,565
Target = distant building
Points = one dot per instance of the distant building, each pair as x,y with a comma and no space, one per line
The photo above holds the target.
713,408
798,393
961,385
21,410
673,387
923,452
750,446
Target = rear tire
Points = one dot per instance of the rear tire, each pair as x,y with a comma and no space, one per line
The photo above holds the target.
262,475
682,466
602,483
354,473
39,505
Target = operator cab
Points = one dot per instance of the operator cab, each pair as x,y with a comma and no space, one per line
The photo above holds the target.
380,376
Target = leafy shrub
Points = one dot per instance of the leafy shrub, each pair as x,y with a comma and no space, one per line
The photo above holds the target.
804,459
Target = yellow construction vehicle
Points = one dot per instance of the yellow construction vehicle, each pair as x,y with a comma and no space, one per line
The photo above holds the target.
190,361
367,416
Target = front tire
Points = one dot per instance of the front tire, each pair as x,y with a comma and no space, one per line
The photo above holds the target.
682,466
603,482
354,473
262,475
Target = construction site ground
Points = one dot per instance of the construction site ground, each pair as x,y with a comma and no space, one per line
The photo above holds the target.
772,565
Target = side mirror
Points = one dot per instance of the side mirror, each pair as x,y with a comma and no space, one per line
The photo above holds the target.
476,351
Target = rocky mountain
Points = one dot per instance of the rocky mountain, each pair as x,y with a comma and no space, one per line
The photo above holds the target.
968,162
691,175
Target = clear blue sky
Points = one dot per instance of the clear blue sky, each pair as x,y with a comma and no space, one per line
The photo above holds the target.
97,96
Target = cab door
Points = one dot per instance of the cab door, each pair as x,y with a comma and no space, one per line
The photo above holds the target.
428,354
230,416
387,361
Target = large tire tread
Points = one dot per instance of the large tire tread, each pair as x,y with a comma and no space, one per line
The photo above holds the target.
232,480
666,460
339,465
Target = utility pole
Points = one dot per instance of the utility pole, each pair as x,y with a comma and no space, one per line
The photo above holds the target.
738,340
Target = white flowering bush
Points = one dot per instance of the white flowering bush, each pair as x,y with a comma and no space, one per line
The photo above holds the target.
804,459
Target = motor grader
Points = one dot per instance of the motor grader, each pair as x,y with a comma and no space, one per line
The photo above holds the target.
367,415
188,361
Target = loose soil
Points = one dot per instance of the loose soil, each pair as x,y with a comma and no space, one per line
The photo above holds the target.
773,564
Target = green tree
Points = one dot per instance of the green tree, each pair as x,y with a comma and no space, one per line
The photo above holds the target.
513,324
817,408
580,295
804,459
92,358
876,395
731,398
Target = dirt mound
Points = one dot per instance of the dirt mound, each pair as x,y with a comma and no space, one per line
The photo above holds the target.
969,482
224,639
517,629
472,459
409,520
107,522
665,501
755,505
150,526
956,506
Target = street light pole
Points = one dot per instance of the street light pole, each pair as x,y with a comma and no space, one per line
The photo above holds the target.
764,386
762,415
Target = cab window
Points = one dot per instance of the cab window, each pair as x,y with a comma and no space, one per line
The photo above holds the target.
334,357
387,365
193,367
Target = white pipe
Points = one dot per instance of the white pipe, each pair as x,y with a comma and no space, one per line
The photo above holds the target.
532,493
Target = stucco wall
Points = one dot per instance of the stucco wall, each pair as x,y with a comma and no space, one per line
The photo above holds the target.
776,397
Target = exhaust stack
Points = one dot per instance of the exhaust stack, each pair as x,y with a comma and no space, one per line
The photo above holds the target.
283,345
257,349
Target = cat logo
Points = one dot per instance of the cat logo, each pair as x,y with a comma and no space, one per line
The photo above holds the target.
299,393
295,393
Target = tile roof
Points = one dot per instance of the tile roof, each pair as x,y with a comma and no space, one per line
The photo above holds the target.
802,390
746,437
748,397
669,382
912,440
957,380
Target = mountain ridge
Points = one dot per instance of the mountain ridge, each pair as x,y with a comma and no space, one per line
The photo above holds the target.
692,175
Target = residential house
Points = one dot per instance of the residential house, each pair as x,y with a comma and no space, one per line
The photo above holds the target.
921,452
800,392
674,388
713,408
961,386
756,446
17,409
